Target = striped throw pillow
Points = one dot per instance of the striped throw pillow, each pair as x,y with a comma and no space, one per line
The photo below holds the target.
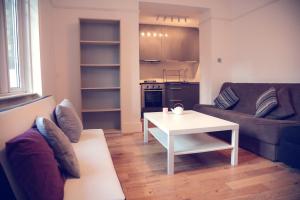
226,99
266,102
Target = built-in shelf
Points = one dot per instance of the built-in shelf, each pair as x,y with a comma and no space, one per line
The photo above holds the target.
100,65
100,74
101,88
95,42
101,110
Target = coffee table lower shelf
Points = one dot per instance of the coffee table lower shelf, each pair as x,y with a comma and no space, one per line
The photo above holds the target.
190,143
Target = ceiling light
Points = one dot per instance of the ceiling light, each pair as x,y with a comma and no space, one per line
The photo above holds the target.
148,34
166,34
154,34
142,34
172,18
160,34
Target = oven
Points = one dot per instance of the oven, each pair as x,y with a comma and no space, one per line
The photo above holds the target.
153,97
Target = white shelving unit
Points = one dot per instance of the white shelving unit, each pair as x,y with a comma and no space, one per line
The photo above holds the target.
100,74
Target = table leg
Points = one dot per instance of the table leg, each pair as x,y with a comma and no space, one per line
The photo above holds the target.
170,155
235,145
145,130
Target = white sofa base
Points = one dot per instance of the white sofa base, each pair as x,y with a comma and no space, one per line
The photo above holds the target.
98,179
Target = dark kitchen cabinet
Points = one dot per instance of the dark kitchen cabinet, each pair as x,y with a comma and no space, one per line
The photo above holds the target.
185,93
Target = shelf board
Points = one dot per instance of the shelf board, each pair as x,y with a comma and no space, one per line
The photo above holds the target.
101,110
112,131
100,65
191,143
100,88
95,42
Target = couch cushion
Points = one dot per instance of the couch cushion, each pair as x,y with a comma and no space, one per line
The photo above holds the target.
285,108
266,130
226,99
34,166
98,178
61,146
68,120
266,102
249,92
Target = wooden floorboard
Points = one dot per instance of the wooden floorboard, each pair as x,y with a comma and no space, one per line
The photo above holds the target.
142,170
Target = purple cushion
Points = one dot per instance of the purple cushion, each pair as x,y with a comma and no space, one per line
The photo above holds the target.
34,166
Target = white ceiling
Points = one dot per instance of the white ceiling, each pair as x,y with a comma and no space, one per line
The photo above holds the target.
149,13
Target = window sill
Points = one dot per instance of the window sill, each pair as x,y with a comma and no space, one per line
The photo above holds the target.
12,101
16,96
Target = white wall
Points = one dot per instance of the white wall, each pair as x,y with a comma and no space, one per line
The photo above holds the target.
266,41
258,42
60,55
215,43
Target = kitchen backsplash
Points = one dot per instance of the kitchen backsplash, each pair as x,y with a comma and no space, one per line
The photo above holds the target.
151,71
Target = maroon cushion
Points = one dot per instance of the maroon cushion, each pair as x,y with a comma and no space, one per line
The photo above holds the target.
34,166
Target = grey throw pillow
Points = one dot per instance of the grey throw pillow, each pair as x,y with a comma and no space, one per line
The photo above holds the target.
266,102
68,120
226,99
62,148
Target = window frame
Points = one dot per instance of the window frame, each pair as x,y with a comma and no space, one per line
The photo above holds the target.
24,51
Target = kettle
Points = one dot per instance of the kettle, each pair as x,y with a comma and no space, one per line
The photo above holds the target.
177,108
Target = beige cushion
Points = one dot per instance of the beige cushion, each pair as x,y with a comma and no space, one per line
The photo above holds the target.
61,146
98,179
68,120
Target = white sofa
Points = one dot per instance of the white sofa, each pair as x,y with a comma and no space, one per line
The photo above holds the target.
98,176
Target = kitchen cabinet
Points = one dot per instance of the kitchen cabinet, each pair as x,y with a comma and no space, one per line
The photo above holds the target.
182,44
185,93
174,43
150,45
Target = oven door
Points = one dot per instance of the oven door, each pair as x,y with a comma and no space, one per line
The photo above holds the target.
153,99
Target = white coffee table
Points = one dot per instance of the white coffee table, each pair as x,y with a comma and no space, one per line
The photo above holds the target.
187,134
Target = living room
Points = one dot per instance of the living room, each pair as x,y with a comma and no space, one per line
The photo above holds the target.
245,45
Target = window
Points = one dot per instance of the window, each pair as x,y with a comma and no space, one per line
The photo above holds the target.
12,42
15,46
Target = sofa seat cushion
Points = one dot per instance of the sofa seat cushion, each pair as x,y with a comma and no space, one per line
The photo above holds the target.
98,179
266,130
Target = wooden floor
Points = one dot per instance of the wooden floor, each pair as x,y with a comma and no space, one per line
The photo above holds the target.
141,169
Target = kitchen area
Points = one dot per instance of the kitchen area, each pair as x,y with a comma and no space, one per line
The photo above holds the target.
169,63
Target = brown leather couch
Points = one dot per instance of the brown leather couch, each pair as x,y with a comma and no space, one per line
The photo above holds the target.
258,135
